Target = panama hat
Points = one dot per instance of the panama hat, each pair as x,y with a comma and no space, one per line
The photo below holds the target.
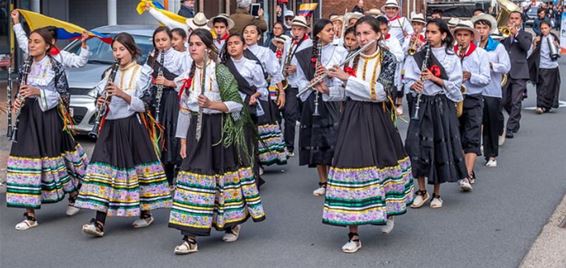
418,17
374,12
486,17
230,25
390,3
465,25
198,22
300,21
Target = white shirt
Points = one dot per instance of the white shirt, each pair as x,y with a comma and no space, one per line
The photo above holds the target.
174,61
134,79
189,103
451,64
330,55
292,79
67,59
251,71
395,48
500,65
477,64
399,26
269,61
545,61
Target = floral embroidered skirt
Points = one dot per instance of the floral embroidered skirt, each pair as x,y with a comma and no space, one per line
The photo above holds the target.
45,162
214,188
125,176
370,178
271,147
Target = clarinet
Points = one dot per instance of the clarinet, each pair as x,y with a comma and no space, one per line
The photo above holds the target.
159,91
424,67
9,89
25,72
317,65
203,83
103,108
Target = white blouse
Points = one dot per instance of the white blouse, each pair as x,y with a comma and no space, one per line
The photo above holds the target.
331,55
545,61
134,80
451,64
251,71
269,61
42,76
67,59
189,103
175,61
363,86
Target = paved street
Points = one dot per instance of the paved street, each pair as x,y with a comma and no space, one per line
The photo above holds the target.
493,226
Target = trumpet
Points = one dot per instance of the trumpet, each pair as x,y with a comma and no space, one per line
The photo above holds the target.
413,45
288,61
102,109
319,78
463,89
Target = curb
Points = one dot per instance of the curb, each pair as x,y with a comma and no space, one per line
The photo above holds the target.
549,248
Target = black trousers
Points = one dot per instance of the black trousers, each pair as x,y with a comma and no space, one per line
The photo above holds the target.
492,126
291,114
512,101
470,124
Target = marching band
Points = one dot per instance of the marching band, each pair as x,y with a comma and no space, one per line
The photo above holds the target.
192,128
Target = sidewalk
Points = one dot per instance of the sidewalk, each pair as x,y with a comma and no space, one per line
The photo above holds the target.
549,250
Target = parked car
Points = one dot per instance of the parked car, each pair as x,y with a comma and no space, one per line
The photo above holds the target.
82,81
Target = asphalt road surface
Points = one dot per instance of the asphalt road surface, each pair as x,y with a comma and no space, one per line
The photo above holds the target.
493,226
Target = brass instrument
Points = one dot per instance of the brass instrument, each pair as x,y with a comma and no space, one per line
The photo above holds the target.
317,65
554,53
424,67
506,7
413,45
463,88
287,62
103,108
159,89
24,80
319,78
200,110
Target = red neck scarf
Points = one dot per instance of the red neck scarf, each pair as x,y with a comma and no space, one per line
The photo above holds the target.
54,51
223,38
471,49
394,18
279,53
305,37
387,36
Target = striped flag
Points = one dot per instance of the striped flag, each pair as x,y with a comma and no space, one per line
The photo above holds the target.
65,30
155,4
307,10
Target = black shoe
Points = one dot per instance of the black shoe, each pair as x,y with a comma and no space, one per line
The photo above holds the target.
509,134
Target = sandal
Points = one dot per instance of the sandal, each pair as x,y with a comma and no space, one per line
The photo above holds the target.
321,189
94,228
145,220
421,197
232,234
71,209
353,245
436,201
188,246
29,222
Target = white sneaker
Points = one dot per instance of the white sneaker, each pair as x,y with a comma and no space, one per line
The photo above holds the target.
491,163
26,224
187,247
436,202
233,234
420,199
320,191
465,185
72,210
352,246
260,171
399,110
291,154
141,223
388,227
